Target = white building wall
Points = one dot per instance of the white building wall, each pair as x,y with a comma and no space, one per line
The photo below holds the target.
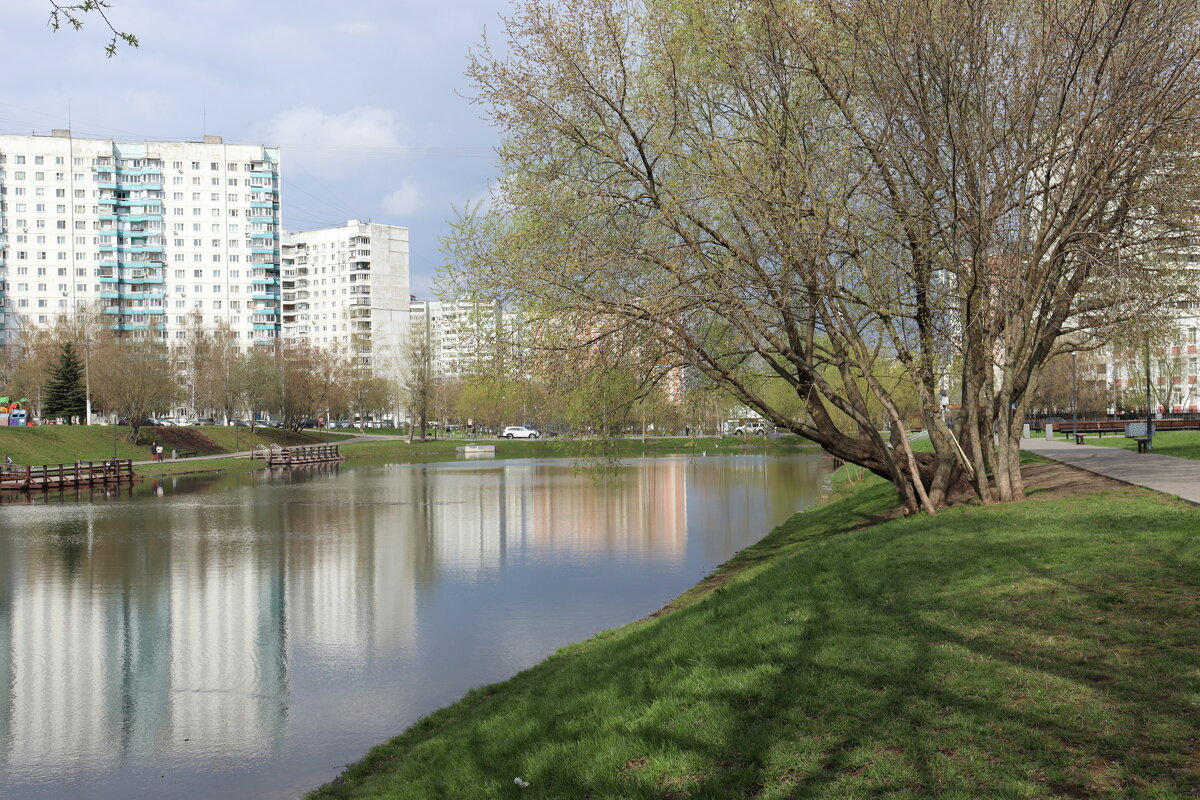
149,232
348,286
461,332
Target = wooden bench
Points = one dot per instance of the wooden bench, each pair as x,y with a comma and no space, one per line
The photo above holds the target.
185,453
1143,444
1079,438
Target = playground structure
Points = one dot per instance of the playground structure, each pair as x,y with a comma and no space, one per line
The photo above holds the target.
13,413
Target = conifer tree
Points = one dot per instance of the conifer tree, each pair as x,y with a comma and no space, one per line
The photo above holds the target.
65,395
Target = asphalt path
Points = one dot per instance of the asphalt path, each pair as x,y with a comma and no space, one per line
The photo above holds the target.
1167,474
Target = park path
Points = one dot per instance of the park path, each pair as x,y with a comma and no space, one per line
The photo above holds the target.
1168,474
365,437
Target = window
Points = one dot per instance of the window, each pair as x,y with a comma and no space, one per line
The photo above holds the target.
214,166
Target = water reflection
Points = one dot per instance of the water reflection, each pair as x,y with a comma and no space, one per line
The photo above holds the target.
247,637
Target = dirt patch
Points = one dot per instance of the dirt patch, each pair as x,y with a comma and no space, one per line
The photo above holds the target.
288,438
1055,480
185,439
1050,481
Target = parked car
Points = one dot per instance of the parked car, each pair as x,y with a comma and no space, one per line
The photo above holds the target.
204,421
519,432
750,428
239,423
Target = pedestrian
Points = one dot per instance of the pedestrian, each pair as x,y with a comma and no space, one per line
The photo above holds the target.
159,451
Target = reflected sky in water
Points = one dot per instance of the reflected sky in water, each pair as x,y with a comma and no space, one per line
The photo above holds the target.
244,636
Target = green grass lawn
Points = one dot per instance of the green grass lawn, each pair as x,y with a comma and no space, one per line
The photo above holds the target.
1036,650
65,444
1182,444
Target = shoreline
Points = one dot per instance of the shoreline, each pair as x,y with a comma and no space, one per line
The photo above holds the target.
847,654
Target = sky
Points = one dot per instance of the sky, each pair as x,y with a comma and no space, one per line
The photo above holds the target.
367,99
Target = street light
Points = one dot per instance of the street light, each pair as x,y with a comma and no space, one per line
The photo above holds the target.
1149,418
1074,401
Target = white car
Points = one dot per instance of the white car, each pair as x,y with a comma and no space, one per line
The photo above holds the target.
750,428
519,432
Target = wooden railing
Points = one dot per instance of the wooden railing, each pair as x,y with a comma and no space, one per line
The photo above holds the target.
55,476
276,456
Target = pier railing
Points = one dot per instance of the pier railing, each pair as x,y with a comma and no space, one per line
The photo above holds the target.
276,456
55,476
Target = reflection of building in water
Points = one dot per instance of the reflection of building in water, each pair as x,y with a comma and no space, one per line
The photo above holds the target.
121,643
227,682
354,588
484,514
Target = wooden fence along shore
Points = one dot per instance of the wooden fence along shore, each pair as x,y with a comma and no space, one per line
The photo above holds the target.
31,478
287,457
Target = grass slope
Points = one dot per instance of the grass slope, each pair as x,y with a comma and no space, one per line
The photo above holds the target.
65,444
1048,649
1181,444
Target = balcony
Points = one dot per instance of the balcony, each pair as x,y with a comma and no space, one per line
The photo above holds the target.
360,313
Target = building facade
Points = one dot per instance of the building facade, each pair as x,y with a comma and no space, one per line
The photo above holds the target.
149,233
347,286
463,334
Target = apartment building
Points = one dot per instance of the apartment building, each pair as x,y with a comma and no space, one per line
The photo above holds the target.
347,286
463,333
148,232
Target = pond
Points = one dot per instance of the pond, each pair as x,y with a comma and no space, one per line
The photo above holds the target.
248,636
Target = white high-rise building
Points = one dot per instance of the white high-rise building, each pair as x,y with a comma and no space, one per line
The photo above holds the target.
347,286
462,333
148,232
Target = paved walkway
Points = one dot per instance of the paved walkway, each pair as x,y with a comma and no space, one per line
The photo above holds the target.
1168,474
367,437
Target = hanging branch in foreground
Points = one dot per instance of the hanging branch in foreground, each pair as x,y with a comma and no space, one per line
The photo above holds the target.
74,14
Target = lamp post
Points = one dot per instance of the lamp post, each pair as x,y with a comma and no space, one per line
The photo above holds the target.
1074,401
1149,418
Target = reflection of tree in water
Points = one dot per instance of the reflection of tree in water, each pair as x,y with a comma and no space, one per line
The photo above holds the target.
70,539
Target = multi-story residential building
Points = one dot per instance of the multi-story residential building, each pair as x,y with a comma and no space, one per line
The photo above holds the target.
462,333
348,286
148,232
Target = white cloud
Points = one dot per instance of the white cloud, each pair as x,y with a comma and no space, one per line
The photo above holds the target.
404,200
325,142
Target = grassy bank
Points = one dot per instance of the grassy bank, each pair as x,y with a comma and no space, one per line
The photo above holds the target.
1045,649
65,444
1181,444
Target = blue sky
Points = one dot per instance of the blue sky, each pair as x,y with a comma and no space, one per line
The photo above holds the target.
366,98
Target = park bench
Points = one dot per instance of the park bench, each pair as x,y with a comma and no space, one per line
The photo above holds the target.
1079,438
185,453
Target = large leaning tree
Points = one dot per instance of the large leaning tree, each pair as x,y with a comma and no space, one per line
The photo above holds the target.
861,198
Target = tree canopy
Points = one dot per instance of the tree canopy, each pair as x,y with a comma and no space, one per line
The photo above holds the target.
867,200
65,393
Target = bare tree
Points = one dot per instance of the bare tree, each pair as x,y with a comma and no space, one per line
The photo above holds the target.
867,200
134,378
419,379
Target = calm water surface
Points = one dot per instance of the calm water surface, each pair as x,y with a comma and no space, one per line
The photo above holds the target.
248,637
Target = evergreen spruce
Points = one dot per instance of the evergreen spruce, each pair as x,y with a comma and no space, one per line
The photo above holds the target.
64,395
